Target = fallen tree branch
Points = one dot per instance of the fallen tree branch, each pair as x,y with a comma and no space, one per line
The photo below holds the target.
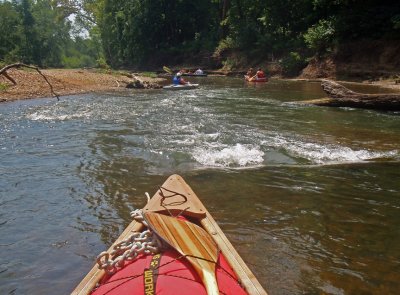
9,78
340,96
3,72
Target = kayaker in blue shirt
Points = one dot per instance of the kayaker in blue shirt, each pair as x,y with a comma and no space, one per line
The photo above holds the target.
178,80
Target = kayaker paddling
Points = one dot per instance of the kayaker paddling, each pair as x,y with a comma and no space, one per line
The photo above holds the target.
178,83
178,79
259,76
199,72
250,73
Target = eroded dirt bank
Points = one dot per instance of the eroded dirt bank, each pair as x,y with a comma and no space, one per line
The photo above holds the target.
64,81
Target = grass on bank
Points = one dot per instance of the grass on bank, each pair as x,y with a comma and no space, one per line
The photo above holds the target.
3,87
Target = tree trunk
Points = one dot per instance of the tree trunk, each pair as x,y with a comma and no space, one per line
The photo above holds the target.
340,96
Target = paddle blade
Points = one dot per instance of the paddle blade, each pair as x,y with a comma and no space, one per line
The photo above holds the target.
189,239
168,70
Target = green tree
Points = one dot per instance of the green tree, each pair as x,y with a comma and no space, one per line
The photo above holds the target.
320,36
135,31
51,33
10,36
29,42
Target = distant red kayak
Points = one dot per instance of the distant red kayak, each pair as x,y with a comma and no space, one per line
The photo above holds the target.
249,79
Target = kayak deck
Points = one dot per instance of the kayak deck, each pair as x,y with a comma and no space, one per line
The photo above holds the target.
182,200
181,86
194,75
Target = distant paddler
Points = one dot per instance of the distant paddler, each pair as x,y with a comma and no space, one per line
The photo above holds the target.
250,73
199,72
178,83
259,76
178,80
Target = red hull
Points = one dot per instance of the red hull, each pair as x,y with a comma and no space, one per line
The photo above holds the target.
255,79
175,276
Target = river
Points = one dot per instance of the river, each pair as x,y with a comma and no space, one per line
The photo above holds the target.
309,196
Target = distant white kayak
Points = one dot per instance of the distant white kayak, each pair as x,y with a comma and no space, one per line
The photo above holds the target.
181,86
194,75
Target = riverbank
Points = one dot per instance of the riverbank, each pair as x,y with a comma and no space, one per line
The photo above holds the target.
65,82
74,81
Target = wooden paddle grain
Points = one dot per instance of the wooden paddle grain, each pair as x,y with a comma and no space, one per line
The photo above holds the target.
191,240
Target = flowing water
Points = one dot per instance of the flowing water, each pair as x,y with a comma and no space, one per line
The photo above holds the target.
309,196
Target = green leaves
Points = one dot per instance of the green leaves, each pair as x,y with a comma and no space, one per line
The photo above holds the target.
10,35
154,32
136,32
38,32
320,36
292,64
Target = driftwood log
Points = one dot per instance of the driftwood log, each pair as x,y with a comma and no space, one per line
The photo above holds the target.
340,96
138,83
3,72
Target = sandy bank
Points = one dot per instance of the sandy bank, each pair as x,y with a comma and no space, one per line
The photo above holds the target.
65,81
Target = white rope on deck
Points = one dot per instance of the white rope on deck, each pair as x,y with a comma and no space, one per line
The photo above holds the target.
145,242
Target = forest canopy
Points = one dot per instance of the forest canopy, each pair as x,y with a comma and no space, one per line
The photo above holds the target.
142,33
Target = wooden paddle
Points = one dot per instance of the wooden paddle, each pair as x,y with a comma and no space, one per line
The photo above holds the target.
168,70
253,78
189,239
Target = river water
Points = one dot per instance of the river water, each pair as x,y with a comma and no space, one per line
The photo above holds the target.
309,196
